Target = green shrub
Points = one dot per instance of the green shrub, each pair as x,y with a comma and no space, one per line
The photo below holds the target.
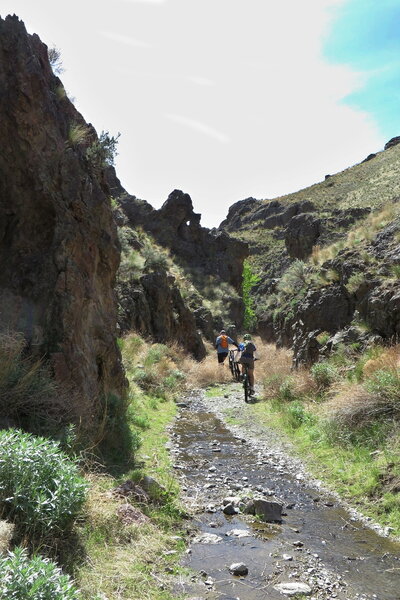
250,279
36,578
40,487
296,415
324,374
103,151
295,278
286,390
385,383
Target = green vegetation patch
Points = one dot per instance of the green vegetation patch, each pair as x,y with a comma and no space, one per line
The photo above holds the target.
40,486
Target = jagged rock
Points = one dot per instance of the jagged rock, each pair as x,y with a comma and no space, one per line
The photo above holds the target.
329,309
154,306
392,142
177,227
58,242
301,235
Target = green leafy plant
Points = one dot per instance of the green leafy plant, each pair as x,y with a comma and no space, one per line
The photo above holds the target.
103,151
33,578
40,486
250,279
324,374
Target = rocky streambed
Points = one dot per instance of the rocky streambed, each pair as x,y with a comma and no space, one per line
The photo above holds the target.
316,548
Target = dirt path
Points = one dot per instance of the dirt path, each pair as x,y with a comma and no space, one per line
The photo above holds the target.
321,548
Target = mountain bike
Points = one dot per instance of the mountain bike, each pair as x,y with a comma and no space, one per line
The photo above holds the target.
233,365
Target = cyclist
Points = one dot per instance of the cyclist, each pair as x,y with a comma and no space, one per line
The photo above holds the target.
222,345
247,358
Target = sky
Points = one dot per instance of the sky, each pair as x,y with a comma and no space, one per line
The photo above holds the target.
227,99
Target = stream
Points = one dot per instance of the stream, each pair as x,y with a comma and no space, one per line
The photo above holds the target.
320,549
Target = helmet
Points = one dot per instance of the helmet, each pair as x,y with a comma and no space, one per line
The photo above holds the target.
247,336
222,331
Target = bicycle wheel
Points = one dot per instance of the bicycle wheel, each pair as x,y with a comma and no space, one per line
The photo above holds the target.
237,371
231,364
246,386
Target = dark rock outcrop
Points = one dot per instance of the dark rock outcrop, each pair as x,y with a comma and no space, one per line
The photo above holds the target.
154,307
392,142
177,227
59,250
301,235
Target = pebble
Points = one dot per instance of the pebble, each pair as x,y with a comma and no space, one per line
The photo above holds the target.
239,569
229,509
293,588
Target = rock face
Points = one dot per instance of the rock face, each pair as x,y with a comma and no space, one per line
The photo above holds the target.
154,306
177,227
59,250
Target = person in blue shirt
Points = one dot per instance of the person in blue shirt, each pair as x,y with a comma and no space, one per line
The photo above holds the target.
222,345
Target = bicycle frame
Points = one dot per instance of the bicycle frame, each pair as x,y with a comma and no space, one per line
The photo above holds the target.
233,365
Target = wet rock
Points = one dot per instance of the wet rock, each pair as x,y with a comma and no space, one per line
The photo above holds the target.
239,569
287,557
238,533
293,588
268,510
229,509
298,544
207,538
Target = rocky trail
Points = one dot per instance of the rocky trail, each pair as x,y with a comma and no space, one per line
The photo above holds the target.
315,548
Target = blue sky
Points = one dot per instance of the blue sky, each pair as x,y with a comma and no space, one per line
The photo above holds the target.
227,99
365,35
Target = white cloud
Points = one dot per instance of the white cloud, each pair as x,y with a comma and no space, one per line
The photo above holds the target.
200,127
202,81
125,39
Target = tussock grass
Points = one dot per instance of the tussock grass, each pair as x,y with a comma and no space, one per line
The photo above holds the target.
29,396
345,422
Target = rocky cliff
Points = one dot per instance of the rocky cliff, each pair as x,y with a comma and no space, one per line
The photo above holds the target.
211,260
59,249
328,258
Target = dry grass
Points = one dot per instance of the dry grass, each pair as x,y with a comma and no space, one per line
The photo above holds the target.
389,359
27,389
355,404
207,372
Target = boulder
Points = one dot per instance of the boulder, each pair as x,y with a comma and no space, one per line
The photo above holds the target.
268,510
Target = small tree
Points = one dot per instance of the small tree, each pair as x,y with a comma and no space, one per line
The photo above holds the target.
102,152
55,61
250,279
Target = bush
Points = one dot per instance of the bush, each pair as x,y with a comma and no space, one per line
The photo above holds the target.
40,487
103,151
36,578
324,374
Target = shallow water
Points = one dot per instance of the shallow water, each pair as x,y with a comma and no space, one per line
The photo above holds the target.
340,557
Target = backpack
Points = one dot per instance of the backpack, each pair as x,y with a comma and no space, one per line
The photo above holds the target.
224,341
